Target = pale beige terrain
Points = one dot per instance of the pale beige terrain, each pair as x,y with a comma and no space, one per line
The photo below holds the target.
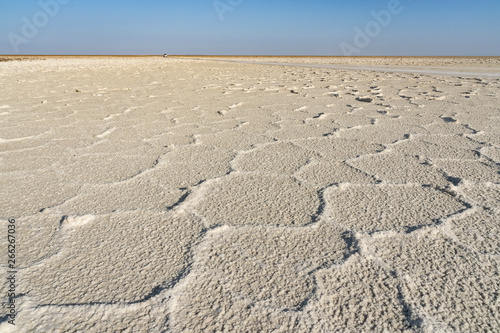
484,67
453,62
184,195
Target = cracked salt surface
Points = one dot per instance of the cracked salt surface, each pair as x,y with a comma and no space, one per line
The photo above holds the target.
227,203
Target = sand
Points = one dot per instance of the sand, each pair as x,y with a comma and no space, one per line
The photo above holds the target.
200,195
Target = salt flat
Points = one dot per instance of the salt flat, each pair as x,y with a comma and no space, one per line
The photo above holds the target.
188,195
481,67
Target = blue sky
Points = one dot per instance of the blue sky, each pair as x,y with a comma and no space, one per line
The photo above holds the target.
335,27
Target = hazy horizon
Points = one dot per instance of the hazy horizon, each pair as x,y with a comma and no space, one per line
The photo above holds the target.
243,27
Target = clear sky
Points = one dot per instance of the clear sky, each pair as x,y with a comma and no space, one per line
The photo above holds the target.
253,27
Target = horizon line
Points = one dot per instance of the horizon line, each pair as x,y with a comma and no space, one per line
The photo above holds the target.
246,55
